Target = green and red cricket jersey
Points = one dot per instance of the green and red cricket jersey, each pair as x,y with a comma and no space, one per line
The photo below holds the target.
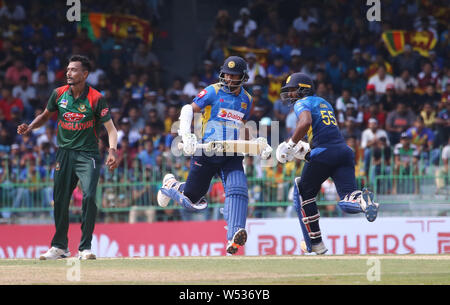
79,120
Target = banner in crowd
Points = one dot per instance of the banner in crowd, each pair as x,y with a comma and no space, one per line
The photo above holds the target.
355,235
422,42
117,25
276,236
261,54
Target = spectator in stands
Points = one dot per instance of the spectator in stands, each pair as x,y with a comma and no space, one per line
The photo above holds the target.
125,131
408,60
410,98
427,77
27,94
254,68
335,70
442,171
280,47
13,74
12,11
430,96
380,80
8,102
304,19
95,74
369,97
403,81
354,83
390,99
42,68
358,62
398,121
147,154
369,138
406,159
208,75
144,59
193,87
350,131
344,100
423,138
151,102
244,21
428,115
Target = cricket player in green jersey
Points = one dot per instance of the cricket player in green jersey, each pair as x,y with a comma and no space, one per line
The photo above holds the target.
81,111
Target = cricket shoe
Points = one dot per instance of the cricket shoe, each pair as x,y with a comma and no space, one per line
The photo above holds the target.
168,182
239,239
54,253
371,207
86,254
319,248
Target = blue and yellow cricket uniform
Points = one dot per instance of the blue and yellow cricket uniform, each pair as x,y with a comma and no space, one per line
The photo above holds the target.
223,115
330,156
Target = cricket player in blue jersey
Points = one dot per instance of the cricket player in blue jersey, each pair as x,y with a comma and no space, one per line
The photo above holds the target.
225,107
326,155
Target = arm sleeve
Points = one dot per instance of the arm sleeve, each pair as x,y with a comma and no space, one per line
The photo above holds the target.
204,97
301,106
51,105
102,111
249,107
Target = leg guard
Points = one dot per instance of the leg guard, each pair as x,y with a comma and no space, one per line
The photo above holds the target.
178,196
236,202
360,202
305,220
352,203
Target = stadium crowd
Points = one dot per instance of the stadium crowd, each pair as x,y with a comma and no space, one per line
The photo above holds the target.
392,110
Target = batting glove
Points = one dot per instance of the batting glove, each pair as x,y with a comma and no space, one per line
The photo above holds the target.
285,152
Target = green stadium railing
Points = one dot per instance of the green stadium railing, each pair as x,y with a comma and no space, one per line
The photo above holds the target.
129,194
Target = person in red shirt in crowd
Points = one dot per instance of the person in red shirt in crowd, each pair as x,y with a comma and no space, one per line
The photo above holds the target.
8,101
16,71
375,111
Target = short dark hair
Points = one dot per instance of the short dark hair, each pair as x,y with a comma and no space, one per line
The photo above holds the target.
85,63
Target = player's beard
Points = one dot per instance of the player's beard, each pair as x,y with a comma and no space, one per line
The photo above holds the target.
73,82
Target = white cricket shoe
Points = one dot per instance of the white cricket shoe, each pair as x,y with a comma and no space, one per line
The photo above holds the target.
168,182
54,253
86,254
319,249
239,240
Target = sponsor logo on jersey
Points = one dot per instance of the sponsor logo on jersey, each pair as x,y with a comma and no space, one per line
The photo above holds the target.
76,126
58,166
63,103
231,115
244,105
323,106
73,116
104,112
202,93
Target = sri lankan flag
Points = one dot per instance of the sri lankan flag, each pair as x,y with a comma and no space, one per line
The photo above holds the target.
422,42
117,25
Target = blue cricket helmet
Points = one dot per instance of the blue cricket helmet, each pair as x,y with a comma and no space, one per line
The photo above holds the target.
233,65
302,82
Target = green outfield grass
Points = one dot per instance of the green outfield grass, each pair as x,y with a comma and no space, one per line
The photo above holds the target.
411,269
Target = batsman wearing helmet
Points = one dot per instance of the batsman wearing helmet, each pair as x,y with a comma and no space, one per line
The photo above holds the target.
326,155
225,107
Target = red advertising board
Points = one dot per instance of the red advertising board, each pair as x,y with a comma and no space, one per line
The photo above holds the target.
115,240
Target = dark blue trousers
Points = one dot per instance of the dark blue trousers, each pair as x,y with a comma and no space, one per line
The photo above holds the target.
337,162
